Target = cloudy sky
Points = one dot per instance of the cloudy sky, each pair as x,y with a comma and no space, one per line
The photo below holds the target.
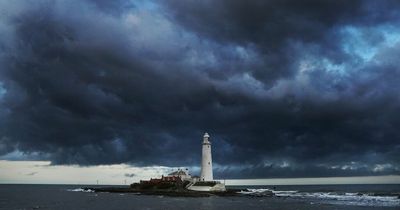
285,88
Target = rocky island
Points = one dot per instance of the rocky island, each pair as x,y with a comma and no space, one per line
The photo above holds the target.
165,188
181,183
172,188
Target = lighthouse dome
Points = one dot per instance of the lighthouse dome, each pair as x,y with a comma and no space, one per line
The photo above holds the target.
206,135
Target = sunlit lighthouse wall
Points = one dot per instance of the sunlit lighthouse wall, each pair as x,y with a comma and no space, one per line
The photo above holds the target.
206,160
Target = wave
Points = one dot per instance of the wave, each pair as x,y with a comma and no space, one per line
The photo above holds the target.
356,199
268,191
257,192
80,190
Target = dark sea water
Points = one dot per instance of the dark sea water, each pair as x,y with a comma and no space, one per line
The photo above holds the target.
287,197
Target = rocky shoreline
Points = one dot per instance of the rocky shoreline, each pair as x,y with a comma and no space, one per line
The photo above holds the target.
168,192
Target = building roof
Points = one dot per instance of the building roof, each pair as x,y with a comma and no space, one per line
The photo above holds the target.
177,173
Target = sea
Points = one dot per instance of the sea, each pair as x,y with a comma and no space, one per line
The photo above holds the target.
296,197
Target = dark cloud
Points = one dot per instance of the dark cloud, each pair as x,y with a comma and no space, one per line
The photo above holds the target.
116,7
274,27
130,175
285,88
32,173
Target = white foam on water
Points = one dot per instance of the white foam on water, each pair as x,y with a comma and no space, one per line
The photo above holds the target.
80,190
285,193
266,190
255,191
354,199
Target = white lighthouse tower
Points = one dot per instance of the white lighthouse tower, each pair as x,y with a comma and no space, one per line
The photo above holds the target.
206,181
206,160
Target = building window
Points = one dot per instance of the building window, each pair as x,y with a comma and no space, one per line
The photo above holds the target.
208,163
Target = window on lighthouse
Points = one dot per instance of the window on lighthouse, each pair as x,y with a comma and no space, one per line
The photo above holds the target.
208,163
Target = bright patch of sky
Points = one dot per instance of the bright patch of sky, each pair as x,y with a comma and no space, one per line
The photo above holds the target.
146,5
17,155
383,167
14,155
334,68
395,179
379,167
357,40
42,172
2,90
245,83
312,63
118,145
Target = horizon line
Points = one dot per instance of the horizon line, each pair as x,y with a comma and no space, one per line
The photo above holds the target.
361,180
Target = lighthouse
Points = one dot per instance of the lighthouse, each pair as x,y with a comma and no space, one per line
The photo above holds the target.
206,173
206,180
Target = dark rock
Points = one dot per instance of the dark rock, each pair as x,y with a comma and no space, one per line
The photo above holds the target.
164,192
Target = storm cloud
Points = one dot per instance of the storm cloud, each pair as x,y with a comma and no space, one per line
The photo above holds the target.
285,88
